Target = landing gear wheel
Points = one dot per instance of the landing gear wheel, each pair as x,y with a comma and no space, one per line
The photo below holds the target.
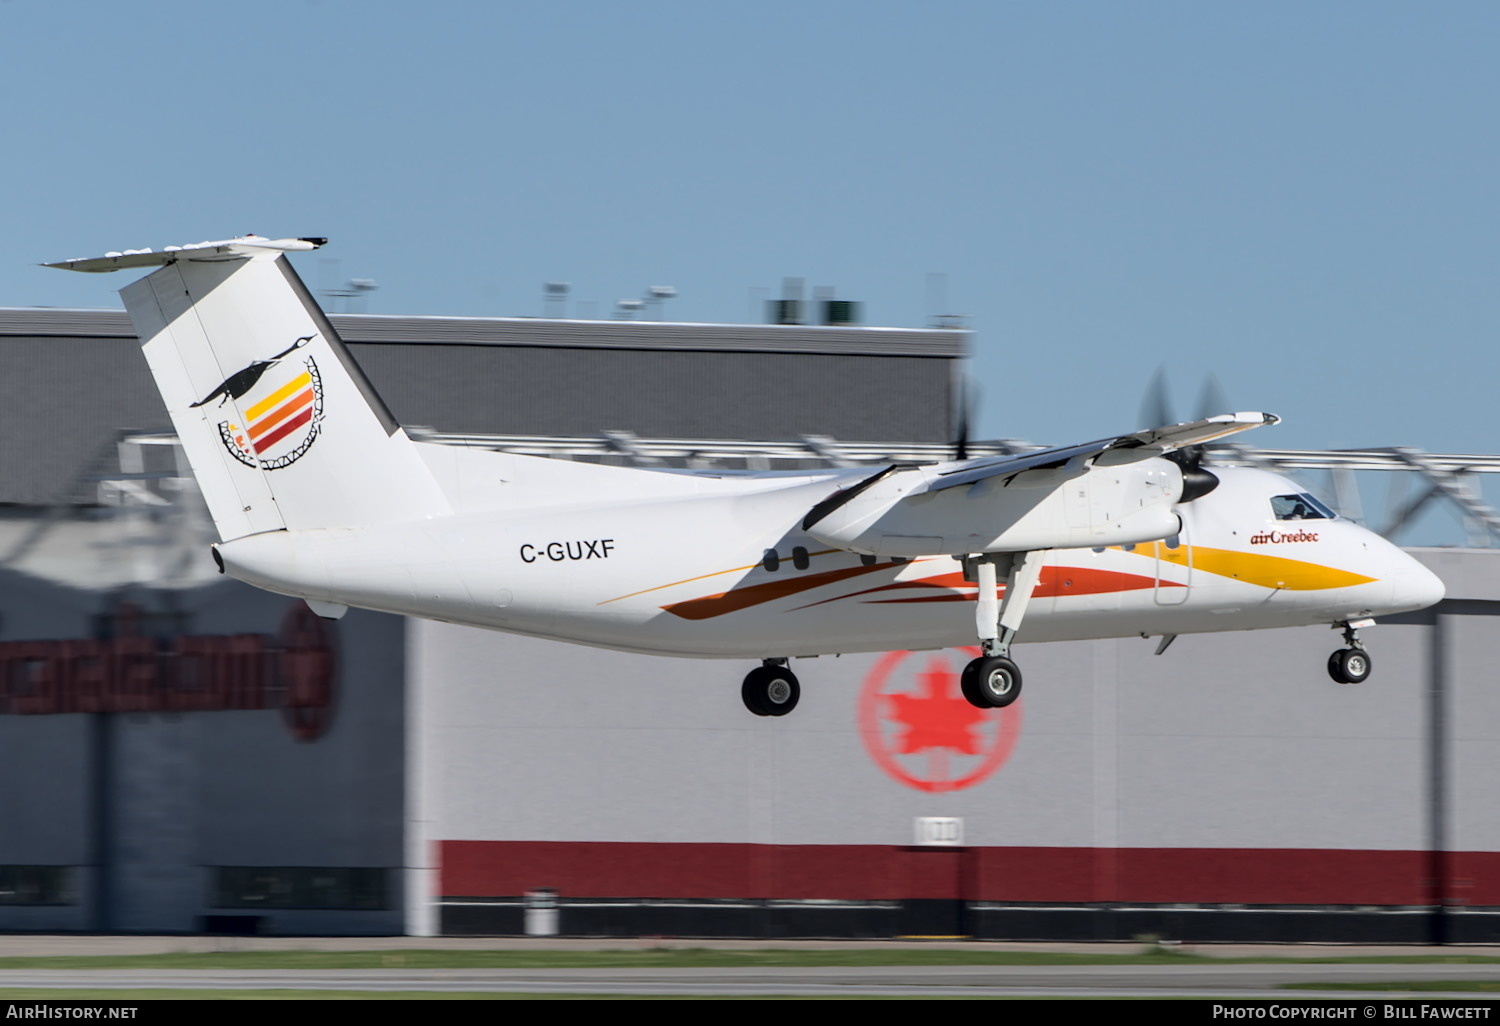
1350,665
991,682
770,691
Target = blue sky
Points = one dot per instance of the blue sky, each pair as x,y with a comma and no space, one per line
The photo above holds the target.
1298,198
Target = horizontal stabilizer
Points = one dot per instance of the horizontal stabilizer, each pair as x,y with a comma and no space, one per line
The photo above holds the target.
227,249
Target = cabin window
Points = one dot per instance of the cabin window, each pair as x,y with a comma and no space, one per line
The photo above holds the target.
771,561
800,558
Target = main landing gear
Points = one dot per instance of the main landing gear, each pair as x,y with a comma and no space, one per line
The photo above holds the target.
993,680
1353,664
771,689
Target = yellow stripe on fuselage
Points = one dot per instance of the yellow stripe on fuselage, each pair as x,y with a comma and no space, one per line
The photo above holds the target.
300,381
1255,568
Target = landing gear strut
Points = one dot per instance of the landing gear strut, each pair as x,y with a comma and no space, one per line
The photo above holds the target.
994,680
1353,664
771,689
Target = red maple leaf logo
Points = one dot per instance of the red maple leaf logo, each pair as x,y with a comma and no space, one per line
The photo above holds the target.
928,736
937,716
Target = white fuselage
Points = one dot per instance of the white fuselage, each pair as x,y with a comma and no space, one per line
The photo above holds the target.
676,564
318,492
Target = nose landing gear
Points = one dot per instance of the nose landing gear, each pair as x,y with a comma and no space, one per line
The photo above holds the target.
1351,665
771,689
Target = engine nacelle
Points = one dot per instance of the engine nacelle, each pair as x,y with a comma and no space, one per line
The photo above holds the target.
1072,506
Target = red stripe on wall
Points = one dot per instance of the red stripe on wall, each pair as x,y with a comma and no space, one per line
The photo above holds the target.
606,869
1252,876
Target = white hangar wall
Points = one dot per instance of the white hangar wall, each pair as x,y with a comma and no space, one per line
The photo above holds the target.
1224,790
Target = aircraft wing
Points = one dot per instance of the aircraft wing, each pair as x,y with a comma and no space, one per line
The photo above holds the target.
1030,510
1139,445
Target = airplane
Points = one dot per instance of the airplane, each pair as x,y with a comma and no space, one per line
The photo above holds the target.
318,493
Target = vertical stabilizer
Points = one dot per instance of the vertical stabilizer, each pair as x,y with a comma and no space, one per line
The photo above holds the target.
279,423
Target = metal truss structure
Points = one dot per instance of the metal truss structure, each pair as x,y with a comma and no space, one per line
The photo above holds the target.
1420,480
148,470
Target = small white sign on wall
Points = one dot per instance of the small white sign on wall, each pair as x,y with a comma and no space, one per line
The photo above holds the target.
940,830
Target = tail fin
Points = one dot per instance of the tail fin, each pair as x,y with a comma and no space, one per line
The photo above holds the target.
279,423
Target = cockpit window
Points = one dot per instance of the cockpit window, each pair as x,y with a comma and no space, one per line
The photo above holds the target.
1300,507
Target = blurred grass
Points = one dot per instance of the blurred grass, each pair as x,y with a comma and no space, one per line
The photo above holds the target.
120,996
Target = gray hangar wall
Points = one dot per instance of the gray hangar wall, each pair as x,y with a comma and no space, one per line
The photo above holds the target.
185,753
501,376
218,759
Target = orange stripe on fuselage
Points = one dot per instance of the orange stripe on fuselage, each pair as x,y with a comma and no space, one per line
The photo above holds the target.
753,595
704,577
1055,581
1273,572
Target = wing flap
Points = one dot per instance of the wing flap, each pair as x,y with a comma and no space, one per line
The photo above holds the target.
1198,432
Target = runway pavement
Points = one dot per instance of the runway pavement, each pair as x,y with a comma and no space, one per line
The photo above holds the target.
1229,981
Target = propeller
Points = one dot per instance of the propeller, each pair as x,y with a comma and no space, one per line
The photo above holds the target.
1212,400
1156,403
965,417
1156,411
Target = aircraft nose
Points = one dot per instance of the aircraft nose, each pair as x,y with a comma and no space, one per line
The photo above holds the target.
1417,587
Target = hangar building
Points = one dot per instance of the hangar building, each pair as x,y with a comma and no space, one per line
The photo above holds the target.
187,754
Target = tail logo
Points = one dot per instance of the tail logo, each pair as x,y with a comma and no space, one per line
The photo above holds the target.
280,403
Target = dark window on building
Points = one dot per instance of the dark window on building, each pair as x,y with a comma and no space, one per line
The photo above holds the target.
326,887
37,885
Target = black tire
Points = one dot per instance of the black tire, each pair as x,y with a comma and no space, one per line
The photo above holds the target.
991,682
968,683
749,693
1350,665
770,691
